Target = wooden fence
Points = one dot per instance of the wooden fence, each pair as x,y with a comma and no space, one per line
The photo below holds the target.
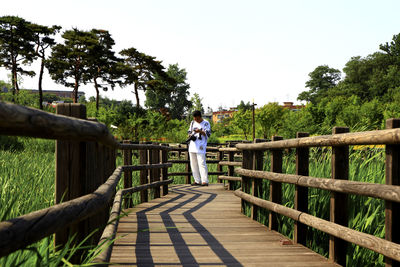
86,177
252,174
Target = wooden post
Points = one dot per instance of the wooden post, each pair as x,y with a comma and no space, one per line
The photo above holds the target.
220,157
392,209
70,169
188,169
128,175
155,174
301,192
247,163
275,187
143,158
231,169
256,184
338,201
164,171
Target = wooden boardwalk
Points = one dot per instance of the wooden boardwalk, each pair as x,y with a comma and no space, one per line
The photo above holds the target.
202,226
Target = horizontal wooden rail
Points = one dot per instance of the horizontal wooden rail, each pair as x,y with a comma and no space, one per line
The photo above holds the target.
146,166
183,149
229,149
189,173
108,236
390,136
386,192
229,178
230,163
188,161
23,121
19,232
384,247
142,147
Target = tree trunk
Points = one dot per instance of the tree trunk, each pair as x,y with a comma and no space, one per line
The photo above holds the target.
96,86
137,95
76,90
40,84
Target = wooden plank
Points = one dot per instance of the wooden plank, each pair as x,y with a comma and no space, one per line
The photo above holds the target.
181,230
339,201
392,209
301,192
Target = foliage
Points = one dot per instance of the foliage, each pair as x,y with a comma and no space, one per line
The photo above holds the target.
140,69
70,62
102,63
321,80
174,98
16,47
242,120
269,118
197,104
43,41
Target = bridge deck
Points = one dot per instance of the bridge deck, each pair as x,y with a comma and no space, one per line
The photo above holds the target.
202,226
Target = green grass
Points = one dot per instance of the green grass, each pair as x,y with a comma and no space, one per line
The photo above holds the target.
365,214
27,184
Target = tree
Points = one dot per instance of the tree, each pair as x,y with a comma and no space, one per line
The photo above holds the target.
244,106
321,80
174,95
242,119
102,63
196,104
270,119
43,41
69,62
140,69
16,47
392,49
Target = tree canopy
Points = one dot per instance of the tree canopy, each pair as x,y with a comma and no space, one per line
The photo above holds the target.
16,47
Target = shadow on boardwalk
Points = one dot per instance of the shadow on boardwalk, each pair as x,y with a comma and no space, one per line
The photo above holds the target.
201,226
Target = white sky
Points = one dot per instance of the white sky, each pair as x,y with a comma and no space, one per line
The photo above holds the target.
232,50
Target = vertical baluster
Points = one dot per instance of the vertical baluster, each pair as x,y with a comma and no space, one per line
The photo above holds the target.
275,187
392,209
338,201
301,192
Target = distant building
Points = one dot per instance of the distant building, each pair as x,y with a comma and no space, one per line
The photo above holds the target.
218,116
289,105
59,93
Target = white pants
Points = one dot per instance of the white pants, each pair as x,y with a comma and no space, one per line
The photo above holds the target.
199,167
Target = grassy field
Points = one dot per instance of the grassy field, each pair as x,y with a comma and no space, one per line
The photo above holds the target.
27,184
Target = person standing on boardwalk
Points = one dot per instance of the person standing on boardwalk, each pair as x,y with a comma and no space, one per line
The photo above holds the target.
199,132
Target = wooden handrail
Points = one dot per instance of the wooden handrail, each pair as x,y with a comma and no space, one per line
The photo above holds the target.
24,121
19,232
108,236
390,136
146,167
229,149
386,192
384,247
230,163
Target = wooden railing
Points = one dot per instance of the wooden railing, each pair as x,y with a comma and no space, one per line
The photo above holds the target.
252,174
213,157
86,177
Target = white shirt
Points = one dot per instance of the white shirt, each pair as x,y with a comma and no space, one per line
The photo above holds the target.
200,145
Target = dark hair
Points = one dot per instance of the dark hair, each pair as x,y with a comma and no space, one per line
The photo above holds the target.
196,113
